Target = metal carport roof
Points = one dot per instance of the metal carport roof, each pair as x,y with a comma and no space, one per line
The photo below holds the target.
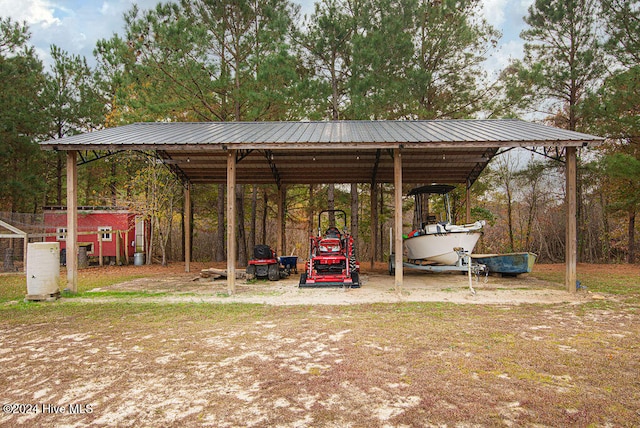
445,151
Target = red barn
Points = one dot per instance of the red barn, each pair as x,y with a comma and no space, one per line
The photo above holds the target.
130,226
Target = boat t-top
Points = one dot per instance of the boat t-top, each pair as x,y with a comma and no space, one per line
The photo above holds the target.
438,242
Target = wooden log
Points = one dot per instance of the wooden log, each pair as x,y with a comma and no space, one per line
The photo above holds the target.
221,273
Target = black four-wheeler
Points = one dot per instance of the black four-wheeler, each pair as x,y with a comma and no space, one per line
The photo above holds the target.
264,264
332,260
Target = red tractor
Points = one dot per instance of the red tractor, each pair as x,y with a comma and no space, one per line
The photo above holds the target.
332,261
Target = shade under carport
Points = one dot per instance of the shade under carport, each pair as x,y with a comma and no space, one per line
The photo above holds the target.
444,151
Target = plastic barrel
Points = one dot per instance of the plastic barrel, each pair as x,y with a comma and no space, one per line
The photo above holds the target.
43,268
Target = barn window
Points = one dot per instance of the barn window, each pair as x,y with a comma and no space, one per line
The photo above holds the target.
105,236
61,233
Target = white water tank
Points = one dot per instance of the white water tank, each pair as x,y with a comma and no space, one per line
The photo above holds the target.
43,268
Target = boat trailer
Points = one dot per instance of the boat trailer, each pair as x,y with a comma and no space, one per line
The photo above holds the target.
464,264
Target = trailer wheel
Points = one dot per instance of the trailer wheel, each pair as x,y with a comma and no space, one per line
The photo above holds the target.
274,272
303,279
392,270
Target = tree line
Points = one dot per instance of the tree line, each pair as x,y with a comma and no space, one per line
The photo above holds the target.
251,60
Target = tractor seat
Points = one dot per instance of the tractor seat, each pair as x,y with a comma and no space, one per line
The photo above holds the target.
332,232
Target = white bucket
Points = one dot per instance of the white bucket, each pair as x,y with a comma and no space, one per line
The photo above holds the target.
43,268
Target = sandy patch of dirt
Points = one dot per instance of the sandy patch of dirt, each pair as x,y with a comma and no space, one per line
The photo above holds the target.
328,365
377,287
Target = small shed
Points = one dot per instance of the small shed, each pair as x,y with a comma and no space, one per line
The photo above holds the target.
112,232
11,232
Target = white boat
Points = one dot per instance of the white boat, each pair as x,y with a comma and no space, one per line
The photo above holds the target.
436,242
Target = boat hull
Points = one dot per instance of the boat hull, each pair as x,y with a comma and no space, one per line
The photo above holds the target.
507,264
440,248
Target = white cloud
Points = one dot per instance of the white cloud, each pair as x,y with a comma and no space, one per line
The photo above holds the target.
507,17
76,25
500,57
40,12
73,25
493,11
105,9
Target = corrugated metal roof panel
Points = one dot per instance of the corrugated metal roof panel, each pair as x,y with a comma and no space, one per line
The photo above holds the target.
490,132
319,152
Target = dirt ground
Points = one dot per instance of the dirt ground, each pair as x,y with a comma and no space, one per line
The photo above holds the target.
377,286
518,352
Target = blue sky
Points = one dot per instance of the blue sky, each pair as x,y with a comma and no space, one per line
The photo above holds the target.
76,25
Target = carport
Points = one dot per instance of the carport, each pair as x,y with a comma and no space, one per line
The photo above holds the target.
285,153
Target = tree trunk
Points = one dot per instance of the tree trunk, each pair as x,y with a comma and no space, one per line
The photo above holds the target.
150,242
354,214
59,170
331,203
334,88
632,236
381,213
221,231
241,238
310,229
533,208
191,225
510,217
606,228
113,183
182,235
254,207
374,222
169,240
162,240
265,201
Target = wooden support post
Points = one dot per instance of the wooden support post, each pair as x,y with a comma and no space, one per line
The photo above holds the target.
468,202
397,207
571,249
187,227
231,221
374,222
24,252
282,199
72,221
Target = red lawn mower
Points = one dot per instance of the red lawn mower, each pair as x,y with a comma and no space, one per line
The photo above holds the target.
265,263
332,261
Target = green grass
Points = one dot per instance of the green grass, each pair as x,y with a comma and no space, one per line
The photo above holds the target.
114,293
86,283
14,286
622,285
129,312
